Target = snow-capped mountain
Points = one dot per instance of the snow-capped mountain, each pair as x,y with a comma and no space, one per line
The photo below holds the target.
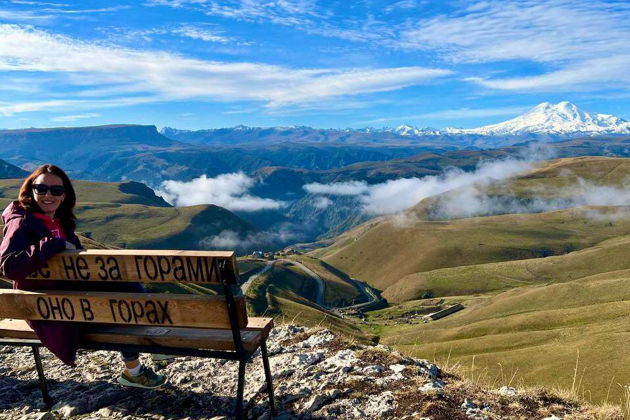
408,130
563,118
545,119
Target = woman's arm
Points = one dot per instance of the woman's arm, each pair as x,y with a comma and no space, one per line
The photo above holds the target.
74,240
18,257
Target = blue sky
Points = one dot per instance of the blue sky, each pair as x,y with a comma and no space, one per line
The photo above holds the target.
205,64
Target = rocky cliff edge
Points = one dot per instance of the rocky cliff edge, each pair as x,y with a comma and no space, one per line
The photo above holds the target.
316,374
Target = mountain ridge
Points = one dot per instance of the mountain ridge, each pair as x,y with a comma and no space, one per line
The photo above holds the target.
545,120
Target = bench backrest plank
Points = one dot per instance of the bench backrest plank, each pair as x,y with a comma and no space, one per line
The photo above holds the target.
156,309
144,266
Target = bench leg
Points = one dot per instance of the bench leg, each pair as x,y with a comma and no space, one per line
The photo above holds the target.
265,360
240,389
42,378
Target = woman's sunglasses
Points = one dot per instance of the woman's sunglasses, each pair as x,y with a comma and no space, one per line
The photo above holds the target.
42,189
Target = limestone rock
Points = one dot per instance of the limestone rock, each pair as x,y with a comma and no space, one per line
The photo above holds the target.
508,391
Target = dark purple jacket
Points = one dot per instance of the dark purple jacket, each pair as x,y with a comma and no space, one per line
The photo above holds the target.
26,246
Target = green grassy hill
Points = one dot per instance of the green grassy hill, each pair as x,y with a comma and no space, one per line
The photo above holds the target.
535,333
385,251
288,294
338,289
140,226
606,256
556,181
11,171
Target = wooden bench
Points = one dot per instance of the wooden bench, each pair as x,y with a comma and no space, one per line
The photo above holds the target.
213,326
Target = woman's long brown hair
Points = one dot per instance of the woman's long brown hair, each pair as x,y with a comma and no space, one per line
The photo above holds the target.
65,212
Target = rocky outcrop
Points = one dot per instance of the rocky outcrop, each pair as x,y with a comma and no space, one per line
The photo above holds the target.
316,375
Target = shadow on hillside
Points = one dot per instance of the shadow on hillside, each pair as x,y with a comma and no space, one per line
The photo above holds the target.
169,401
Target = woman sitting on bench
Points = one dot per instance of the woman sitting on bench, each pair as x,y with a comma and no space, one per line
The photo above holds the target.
37,226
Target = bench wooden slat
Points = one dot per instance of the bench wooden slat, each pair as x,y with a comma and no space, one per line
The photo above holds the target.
260,324
144,266
16,328
122,308
174,337
159,336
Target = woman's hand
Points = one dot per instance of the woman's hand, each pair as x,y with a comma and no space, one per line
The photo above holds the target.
70,245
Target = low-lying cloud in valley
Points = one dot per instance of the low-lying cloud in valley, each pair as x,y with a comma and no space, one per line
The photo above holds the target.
334,207
396,195
230,239
465,194
474,201
226,190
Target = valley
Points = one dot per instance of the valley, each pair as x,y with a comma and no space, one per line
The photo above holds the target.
544,294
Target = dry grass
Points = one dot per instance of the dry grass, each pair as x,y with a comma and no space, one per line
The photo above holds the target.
375,356
568,403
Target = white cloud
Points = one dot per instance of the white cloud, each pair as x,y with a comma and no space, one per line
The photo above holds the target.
226,190
552,31
46,14
586,193
461,114
472,200
397,195
194,32
9,109
229,239
23,16
165,76
351,82
584,43
283,12
402,4
475,31
322,203
587,75
67,118
338,188
83,11
38,3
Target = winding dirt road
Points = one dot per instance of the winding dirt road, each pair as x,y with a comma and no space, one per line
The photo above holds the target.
254,276
319,298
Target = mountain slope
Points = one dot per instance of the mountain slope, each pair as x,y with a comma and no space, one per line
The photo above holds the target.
288,292
384,250
140,226
606,256
572,335
11,171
